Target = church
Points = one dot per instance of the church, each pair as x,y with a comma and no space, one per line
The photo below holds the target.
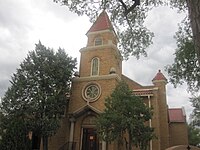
99,72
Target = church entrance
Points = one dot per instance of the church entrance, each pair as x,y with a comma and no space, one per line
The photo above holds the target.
89,140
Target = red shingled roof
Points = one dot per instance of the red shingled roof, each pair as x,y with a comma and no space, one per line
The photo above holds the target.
176,115
102,23
159,76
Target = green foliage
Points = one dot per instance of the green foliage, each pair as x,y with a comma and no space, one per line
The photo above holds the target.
196,111
125,114
185,67
128,17
38,90
180,4
194,126
194,135
128,21
14,134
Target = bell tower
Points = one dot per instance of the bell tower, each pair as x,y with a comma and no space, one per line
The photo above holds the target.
101,55
99,72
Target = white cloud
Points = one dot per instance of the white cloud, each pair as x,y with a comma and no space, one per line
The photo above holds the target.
23,23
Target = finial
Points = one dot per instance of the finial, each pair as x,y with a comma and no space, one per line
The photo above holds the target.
159,76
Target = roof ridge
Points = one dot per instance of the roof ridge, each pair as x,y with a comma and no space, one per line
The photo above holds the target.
159,76
102,23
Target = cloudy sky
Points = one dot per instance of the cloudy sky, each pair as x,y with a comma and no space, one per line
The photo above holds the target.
24,22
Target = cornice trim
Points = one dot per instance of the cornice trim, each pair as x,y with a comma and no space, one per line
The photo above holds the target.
95,78
109,45
101,31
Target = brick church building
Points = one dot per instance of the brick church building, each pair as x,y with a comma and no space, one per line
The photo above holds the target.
99,72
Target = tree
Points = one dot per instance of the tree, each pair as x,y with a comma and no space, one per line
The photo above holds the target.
128,17
125,116
196,111
194,127
14,134
194,12
193,135
38,91
185,67
134,37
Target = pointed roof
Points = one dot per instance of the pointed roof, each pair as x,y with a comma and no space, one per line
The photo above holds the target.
102,23
159,76
84,109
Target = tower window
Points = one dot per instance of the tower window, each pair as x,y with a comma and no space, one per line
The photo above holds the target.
95,66
98,41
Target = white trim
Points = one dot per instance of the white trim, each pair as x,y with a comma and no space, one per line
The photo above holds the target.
137,90
159,81
95,78
183,110
91,66
85,106
102,31
81,142
84,92
109,45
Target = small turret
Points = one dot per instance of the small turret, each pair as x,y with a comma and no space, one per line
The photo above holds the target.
159,78
101,55
160,82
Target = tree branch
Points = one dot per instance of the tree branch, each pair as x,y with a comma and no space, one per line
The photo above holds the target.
137,2
123,5
128,10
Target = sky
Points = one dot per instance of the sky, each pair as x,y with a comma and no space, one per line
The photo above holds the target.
24,22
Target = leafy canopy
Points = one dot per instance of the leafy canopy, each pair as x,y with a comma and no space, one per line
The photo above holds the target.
195,116
194,126
128,17
193,135
38,90
125,114
185,66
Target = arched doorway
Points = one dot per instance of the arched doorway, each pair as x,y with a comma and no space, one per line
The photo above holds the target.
90,139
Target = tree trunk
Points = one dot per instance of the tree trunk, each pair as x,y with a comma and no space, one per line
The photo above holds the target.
45,142
194,16
130,141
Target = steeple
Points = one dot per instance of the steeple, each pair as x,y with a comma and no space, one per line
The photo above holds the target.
102,32
102,23
101,56
159,77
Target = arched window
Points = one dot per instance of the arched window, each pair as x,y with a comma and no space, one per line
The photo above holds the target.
98,41
95,66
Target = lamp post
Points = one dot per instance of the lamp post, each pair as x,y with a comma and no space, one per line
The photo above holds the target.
188,147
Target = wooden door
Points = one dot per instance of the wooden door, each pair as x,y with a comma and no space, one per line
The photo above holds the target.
89,141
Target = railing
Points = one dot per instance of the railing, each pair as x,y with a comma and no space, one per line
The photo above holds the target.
68,146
